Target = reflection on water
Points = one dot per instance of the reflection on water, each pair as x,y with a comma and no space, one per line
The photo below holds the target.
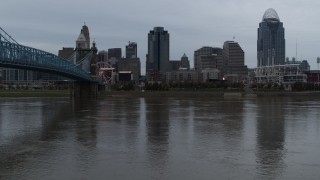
157,124
24,125
159,138
271,137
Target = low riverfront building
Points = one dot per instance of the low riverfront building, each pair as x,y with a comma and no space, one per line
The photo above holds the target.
283,74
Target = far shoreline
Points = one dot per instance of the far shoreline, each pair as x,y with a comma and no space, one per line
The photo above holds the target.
208,94
34,93
182,93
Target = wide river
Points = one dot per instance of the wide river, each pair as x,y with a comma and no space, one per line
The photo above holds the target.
160,138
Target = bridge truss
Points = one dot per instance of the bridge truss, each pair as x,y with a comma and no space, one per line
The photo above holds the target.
14,55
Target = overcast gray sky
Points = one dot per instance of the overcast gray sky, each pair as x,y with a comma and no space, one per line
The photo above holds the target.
52,24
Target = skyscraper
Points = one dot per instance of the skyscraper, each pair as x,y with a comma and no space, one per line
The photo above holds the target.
131,63
207,56
131,50
83,40
158,52
102,56
185,64
233,58
271,42
115,53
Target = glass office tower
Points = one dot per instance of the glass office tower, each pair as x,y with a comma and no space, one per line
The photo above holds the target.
158,51
271,41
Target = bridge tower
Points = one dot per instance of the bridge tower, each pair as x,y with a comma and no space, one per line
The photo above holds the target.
93,62
83,44
86,56
89,55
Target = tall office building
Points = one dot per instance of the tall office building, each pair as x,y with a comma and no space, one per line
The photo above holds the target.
184,64
83,40
66,52
233,58
208,57
158,53
131,63
271,41
131,50
114,53
102,56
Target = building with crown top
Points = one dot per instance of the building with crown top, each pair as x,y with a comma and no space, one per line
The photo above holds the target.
271,40
271,62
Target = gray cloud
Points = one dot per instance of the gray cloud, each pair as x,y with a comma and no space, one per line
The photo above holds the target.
51,25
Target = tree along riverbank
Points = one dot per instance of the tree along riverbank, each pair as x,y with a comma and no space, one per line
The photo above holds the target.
213,89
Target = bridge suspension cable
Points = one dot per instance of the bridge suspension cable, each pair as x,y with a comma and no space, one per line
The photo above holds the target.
7,37
85,62
87,57
73,57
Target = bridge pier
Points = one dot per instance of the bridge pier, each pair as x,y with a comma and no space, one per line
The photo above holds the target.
84,89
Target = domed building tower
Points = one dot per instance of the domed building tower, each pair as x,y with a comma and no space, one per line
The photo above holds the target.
271,41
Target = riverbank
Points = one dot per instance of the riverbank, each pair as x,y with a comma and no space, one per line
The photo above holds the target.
66,93
208,94
35,93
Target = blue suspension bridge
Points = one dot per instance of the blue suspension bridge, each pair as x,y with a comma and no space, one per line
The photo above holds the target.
14,55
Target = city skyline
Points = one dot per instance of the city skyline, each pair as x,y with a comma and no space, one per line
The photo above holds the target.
192,25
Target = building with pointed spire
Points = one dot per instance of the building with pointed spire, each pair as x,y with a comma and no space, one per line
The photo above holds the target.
83,41
184,64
